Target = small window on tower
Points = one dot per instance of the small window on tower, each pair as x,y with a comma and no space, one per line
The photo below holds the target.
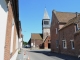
46,22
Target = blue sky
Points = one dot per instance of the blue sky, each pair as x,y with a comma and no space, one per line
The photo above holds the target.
31,13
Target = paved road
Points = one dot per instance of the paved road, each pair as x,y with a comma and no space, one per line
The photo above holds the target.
47,55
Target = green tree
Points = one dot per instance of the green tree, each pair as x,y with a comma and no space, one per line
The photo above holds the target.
24,43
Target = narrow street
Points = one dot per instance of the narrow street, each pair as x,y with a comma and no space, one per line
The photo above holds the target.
45,54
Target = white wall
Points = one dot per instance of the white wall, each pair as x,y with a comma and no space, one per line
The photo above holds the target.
44,33
3,23
16,53
20,43
12,36
46,30
17,40
14,56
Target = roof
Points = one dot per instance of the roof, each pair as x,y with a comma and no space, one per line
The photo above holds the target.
64,16
36,36
72,21
48,37
46,16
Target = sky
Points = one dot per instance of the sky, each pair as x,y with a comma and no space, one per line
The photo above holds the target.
31,13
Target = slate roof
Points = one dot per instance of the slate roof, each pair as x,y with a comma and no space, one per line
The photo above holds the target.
36,36
64,16
46,16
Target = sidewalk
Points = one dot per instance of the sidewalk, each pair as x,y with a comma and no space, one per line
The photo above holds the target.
22,55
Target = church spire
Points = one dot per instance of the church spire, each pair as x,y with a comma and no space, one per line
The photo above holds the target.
46,16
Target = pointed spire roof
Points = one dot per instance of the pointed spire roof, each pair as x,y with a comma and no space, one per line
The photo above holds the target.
46,16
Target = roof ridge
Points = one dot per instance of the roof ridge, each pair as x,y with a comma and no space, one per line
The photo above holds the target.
66,12
73,20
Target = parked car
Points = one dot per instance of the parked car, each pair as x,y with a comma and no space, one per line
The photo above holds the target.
27,46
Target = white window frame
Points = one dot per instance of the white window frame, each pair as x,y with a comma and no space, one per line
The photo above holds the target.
72,44
76,27
65,47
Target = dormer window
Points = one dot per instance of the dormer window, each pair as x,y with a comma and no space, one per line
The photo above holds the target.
77,27
46,22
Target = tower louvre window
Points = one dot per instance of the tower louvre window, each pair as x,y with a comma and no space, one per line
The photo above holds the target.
46,22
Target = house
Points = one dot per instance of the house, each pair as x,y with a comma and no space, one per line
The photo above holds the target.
36,40
70,36
20,37
9,32
47,42
59,19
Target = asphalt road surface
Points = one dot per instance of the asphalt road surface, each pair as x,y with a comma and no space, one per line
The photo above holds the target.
46,54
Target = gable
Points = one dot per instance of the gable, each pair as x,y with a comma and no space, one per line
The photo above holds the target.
54,19
36,36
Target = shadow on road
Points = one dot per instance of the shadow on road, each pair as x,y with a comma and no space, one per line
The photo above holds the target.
57,55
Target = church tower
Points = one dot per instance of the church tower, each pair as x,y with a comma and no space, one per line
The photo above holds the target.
45,25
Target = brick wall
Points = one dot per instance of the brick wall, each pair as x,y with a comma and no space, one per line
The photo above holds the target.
77,43
8,34
7,54
37,42
54,36
47,42
68,35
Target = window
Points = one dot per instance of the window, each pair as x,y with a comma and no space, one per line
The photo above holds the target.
77,27
72,44
57,43
64,44
46,22
56,30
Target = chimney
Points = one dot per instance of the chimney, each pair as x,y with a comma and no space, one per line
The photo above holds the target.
76,14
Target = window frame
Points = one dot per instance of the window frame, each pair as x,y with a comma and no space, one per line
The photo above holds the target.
64,46
76,27
46,21
72,45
